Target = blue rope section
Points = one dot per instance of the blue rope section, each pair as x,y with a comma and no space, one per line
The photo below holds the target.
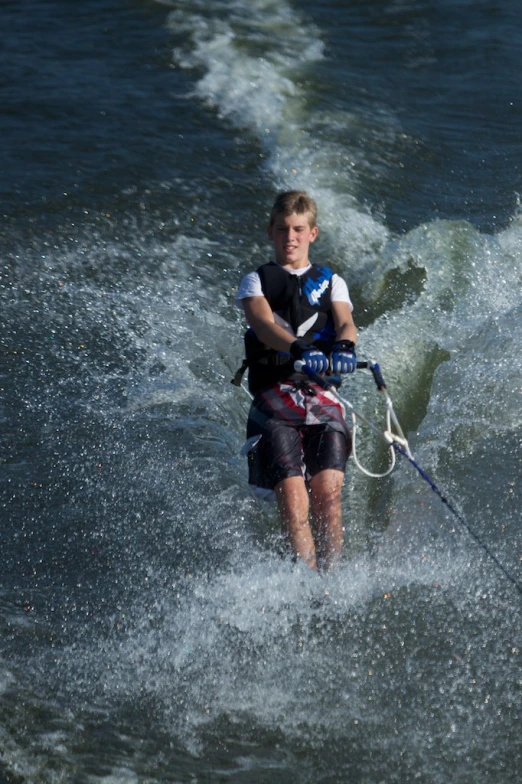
459,517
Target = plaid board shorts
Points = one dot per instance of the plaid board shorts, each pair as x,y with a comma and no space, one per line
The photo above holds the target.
294,429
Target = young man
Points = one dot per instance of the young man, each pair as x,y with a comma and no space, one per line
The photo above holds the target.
298,437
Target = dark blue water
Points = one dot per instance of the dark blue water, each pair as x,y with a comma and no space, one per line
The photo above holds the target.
150,632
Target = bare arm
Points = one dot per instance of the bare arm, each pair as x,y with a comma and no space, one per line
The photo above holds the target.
345,328
260,317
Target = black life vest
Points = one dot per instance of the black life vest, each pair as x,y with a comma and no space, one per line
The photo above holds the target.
304,302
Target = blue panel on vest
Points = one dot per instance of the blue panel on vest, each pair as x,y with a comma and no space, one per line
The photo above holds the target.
315,287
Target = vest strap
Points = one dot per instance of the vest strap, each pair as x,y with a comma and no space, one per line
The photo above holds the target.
240,372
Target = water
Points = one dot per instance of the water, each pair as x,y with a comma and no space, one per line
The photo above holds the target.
150,630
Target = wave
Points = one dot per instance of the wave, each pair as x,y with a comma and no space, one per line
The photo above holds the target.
256,69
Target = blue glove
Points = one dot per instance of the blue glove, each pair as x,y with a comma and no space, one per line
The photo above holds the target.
310,355
343,357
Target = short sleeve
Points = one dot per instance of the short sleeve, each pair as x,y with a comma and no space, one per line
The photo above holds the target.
340,291
250,286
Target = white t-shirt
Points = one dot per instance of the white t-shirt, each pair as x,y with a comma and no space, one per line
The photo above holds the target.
250,286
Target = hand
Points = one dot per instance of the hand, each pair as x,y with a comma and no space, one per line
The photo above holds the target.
343,357
310,355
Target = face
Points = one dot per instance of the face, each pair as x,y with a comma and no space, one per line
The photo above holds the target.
292,235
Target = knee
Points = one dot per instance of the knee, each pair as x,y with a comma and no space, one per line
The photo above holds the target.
327,485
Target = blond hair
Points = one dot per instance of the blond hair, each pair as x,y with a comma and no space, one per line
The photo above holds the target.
294,201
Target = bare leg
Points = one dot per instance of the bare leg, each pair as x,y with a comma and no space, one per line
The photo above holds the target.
293,504
325,494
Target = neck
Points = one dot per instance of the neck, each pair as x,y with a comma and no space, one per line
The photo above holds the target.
295,265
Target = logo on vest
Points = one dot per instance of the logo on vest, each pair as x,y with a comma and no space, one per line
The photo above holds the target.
315,286
316,294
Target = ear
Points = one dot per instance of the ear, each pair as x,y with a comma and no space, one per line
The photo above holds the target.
314,233
270,232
